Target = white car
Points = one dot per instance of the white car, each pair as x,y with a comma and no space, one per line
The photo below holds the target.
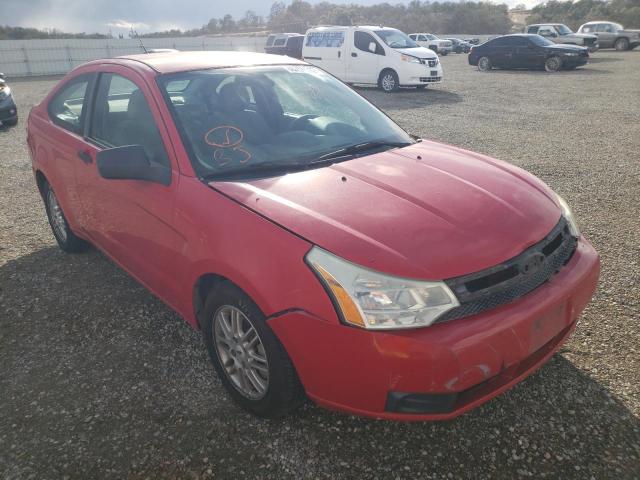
429,40
372,55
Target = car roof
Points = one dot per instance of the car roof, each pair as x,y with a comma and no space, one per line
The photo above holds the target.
540,24
347,27
170,62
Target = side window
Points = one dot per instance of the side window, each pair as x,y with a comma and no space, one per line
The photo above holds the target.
604,27
422,38
532,30
588,29
67,107
279,42
413,36
270,40
363,40
122,116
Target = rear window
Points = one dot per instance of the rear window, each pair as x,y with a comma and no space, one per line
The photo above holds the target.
325,39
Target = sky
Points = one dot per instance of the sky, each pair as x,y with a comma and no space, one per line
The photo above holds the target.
144,15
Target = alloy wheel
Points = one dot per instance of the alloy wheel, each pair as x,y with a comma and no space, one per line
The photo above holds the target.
388,82
58,222
241,352
552,64
484,64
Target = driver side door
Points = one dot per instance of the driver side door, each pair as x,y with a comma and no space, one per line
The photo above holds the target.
364,59
132,220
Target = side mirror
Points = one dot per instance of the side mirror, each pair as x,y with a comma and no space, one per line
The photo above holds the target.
372,47
130,163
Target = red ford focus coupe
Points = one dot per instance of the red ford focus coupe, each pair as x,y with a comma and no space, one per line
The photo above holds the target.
321,249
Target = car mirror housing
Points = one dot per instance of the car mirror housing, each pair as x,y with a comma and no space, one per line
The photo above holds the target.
131,163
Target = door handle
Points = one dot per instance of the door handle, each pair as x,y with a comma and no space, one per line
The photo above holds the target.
354,54
85,156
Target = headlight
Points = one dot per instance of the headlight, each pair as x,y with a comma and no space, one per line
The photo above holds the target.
4,92
409,58
570,54
568,215
375,301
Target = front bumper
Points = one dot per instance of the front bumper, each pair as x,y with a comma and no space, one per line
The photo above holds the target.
470,360
8,109
421,75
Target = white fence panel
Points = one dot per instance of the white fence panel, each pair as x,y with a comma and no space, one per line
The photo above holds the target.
58,56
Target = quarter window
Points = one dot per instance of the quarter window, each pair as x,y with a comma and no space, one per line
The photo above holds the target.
604,27
66,109
122,117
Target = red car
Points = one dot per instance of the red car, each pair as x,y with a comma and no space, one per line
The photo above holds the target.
320,248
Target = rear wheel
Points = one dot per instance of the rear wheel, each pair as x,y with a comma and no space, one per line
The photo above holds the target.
67,240
553,64
484,64
250,361
622,44
389,81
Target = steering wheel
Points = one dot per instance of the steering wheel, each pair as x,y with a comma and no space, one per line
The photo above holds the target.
295,124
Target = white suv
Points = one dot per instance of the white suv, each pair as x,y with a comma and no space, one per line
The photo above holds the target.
429,40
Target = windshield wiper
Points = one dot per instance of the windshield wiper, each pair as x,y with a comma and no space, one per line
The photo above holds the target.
326,159
358,148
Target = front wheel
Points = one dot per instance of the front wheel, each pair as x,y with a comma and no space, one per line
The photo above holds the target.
250,361
389,81
622,44
484,64
553,64
67,240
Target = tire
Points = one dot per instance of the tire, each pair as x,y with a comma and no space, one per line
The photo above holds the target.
257,372
389,81
67,240
444,54
621,44
484,64
553,64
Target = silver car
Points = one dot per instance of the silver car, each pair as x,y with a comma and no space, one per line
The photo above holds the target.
560,33
612,35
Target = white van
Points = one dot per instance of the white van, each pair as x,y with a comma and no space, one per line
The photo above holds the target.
380,56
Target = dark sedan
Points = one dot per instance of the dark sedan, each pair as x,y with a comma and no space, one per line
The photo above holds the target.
527,51
8,109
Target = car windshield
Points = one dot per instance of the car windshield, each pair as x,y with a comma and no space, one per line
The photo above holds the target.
396,39
563,30
244,121
538,40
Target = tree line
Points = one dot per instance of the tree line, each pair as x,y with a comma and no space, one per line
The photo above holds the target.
469,17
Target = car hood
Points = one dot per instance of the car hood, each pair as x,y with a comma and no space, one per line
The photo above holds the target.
420,52
579,35
427,211
565,47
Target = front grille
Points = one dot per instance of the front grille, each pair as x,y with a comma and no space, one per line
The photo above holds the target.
431,63
514,278
430,79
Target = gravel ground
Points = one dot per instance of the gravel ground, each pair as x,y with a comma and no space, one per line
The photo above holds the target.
99,379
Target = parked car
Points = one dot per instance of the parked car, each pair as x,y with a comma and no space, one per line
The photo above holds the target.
612,35
289,44
8,108
380,56
430,280
472,41
560,33
527,51
459,46
429,40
